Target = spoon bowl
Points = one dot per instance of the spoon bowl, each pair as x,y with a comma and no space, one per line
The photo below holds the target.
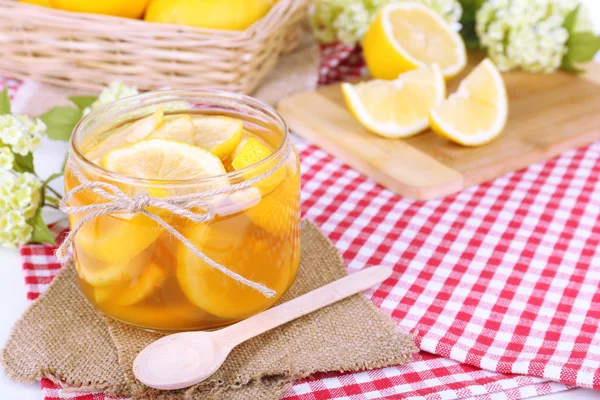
180,360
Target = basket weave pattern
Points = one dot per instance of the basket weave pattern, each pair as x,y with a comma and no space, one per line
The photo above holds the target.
88,51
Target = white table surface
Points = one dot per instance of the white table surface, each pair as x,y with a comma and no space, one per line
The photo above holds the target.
12,286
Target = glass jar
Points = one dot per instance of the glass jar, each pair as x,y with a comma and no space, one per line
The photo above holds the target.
134,270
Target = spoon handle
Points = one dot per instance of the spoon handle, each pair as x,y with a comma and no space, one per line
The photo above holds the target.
305,304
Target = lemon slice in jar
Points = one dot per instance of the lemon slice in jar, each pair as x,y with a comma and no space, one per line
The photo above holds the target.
251,152
117,238
278,195
163,159
130,133
218,134
150,271
398,108
101,274
241,247
145,285
409,35
178,128
477,112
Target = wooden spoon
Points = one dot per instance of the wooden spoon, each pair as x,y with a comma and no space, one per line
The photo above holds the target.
184,359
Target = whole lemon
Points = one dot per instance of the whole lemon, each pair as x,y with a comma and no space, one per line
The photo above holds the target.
119,8
213,14
45,3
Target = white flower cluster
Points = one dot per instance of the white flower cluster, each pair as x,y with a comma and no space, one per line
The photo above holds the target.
450,10
526,34
352,23
21,133
7,159
20,195
348,20
114,91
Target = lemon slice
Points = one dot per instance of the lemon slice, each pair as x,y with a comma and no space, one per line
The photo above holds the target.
477,112
409,35
399,108
100,274
163,159
217,134
241,247
178,128
130,133
148,282
103,238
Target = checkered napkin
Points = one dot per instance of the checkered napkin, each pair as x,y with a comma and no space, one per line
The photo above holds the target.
340,62
499,277
326,181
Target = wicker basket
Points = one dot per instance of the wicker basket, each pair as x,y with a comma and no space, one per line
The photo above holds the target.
88,51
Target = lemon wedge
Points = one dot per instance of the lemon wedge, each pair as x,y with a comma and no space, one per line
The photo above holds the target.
163,159
251,152
178,128
217,134
399,108
477,112
409,35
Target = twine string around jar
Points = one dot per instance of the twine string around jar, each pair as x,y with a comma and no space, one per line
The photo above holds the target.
119,202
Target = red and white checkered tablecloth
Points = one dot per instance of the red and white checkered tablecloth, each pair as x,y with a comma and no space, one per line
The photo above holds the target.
503,277
370,225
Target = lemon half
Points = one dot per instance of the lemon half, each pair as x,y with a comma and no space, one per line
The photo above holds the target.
477,112
399,108
409,35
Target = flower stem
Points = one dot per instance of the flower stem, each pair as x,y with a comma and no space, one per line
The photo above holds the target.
54,192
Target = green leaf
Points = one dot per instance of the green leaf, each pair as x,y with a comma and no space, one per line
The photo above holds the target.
583,46
569,67
4,102
60,121
24,163
571,18
83,102
468,20
41,233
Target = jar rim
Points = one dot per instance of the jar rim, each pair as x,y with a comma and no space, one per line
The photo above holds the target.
175,94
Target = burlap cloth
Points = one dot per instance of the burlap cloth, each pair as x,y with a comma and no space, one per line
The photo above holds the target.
62,337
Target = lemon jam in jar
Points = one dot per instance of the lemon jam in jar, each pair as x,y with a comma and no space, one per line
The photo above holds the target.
177,181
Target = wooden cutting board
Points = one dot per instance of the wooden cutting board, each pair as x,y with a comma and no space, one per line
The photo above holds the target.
548,114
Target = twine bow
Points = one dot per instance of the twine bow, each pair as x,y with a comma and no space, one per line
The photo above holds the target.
119,202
